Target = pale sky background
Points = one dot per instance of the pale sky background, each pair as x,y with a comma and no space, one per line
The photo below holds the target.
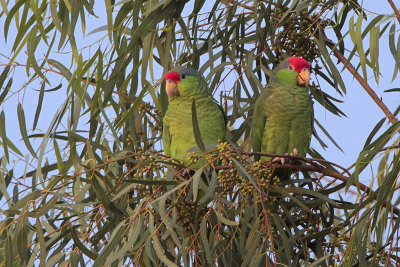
350,133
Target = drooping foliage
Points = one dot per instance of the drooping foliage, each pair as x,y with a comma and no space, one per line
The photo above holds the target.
89,183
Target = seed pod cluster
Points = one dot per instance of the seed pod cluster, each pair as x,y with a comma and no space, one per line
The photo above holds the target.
297,31
189,213
154,116
146,166
227,153
228,179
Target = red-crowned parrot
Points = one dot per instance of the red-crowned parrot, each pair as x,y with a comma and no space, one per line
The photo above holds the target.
182,86
283,113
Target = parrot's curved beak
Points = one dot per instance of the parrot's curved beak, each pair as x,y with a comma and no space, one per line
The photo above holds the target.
171,88
304,77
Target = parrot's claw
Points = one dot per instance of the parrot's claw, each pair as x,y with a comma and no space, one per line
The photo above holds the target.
280,159
186,172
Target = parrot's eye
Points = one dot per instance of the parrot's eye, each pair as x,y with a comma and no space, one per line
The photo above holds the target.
304,69
291,67
183,76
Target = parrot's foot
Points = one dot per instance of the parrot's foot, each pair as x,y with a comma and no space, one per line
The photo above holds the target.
186,172
295,153
280,159
283,160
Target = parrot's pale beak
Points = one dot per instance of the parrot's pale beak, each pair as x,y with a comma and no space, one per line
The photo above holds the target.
171,88
304,77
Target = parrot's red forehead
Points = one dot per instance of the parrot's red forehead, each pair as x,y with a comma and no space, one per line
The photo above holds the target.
173,75
299,63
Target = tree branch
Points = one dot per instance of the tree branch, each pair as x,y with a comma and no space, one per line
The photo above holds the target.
362,82
396,11
320,169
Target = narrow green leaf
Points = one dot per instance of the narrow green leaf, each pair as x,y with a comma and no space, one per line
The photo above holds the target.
4,6
195,182
31,49
198,4
328,135
40,235
6,90
47,206
196,128
21,236
138,100
23,202
320,261
81,246
3,133
64,71
252,235
39,106
22,128
359,41
135,229
54,15
322,47
9,250
55,259
10,16
4,183
388,187
165,195
225,220
204,239
374,51
4,75
393,50
60,163
211,188
113,243
169,221
157,245
392,90
374,131
369,152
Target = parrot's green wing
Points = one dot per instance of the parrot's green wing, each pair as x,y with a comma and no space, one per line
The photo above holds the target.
166,136
258,124
223,113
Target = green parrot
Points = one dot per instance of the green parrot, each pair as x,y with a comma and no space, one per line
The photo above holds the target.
183,86
283,113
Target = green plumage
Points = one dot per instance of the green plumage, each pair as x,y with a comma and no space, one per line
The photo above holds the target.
178,133
283,116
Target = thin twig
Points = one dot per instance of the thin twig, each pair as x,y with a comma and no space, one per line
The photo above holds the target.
396,11
308,160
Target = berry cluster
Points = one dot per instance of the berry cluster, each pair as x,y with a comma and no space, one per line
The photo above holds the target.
296,33
155,114
189,213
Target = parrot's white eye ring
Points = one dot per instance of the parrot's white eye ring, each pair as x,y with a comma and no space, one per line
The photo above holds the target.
183,76
290,67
